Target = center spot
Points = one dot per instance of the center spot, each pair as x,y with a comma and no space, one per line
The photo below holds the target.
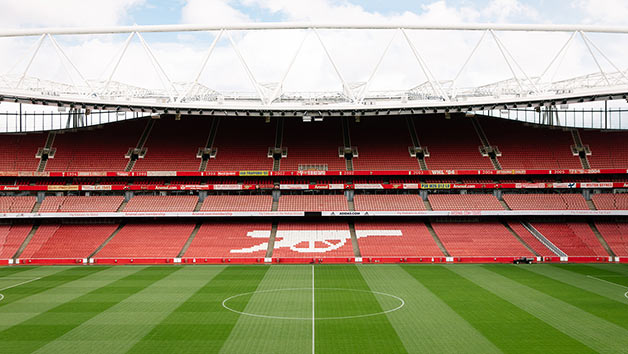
296,303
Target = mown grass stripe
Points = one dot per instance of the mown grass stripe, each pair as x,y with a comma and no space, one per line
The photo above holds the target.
131,319
50,325
594,332
594,280
615,268
260,335
602,307
507,326
201,324
365,335
425,324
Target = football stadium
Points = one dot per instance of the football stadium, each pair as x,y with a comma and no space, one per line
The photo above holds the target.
441,217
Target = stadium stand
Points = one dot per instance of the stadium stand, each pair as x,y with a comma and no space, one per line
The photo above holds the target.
313,202
242,144
388,202
608,201
95,150
608,149
11,238
464,202
574,238
546,201
616,235
452,143
313,240
382,145
17,152
312,146
488,239
237,203
414,239
162,203
230,240
75,204
144,240
67,241
526,147
530,240
172,145
20,204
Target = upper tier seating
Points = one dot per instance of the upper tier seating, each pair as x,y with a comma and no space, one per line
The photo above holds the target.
546,201
395,239
608,149
237,203
616,235
382,145
314,143
487,239
17,152
172,145
160,203
96,150
67,241
219,239
242,144
574,238
12,204
77,204
532,241
313,239
388,202
452,143
464,202
11,238
313,202
610,201
526,147
160,239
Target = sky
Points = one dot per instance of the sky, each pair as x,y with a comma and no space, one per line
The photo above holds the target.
269,54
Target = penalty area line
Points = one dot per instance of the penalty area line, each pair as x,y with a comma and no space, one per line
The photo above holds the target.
16,285
610,282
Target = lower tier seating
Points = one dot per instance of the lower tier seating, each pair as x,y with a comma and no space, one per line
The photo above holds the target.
17,204
546,201
160,239
464,202
313,202
388,202
616,235
237,203
313,240
230,240
574,238
11,238
530,240
67,241
488,239
610,201
74,204
395,239
161,203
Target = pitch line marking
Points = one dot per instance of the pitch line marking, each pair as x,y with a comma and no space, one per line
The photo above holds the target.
313,316
610,282
402,303
15,285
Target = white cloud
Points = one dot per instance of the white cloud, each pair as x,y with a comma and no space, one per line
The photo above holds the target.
212,12
606,12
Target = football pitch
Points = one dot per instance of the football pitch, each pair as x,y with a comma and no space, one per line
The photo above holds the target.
542,308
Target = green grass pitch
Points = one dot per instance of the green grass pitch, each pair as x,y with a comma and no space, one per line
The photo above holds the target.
322,308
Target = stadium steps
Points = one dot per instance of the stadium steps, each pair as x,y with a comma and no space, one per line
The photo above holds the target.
354,239
275,205
140,143
122,206
210,141
351,205
44,160
278,142
516,235
271,240
346,141
113,234
415,141
28,238
198,206
485,142
584,161
539,236
503,203
591,205
430,228
599,236
427,204
190,239
36,207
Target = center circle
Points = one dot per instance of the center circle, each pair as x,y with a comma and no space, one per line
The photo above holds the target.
346,303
